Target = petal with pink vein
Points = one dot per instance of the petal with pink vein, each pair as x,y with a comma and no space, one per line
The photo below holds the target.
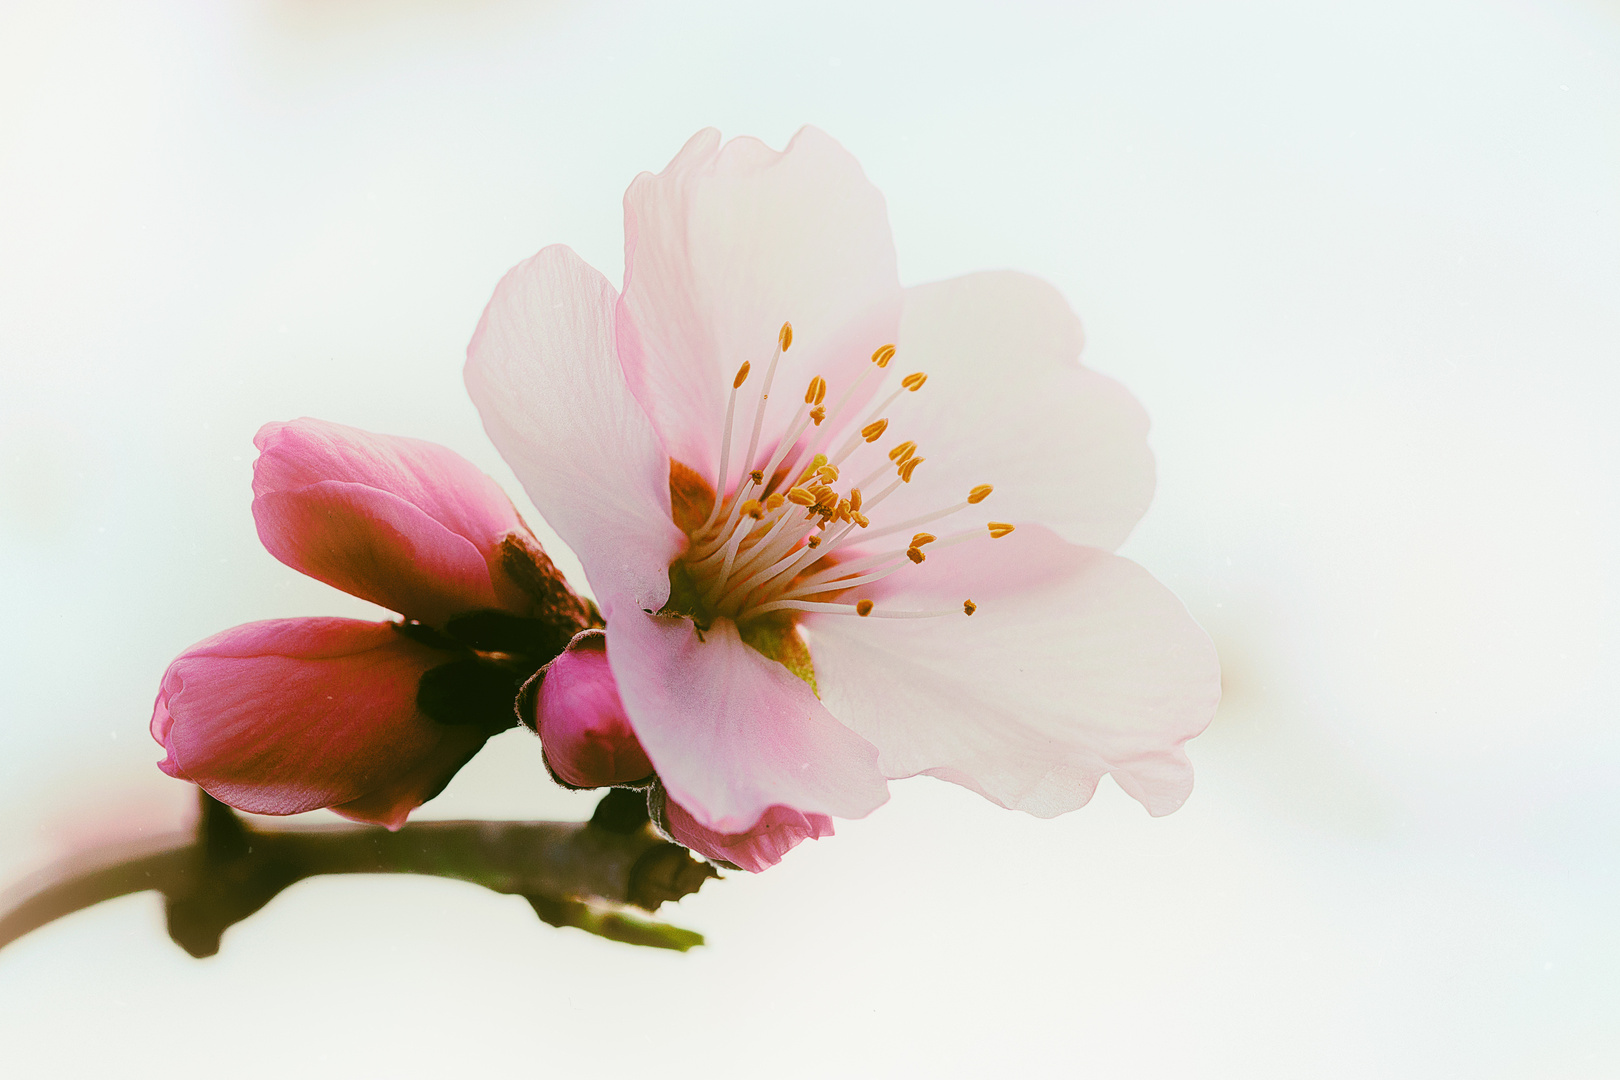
732,733
1075,663
543,371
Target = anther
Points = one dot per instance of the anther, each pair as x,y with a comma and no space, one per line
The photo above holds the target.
814,541
914,381
882,357
757,476
800,497
864,608
978,494
816,391
920,539
969,607
903,451
753,508
810,470
854,499
775,500
915,554
818,414
859,518
909,466
784,337
998,529
827,474
874,431
742,375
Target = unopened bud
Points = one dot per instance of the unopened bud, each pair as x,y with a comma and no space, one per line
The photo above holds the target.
585,733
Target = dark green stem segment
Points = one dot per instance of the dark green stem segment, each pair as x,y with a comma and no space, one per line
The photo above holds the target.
580,874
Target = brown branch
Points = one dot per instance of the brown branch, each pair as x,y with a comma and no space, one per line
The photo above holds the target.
578,874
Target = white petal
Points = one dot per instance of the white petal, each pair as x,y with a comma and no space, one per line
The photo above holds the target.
1007,403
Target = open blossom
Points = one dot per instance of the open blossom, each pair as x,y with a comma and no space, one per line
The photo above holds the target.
842,531
289,715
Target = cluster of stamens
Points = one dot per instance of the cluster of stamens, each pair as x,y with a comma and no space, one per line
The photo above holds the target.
772,543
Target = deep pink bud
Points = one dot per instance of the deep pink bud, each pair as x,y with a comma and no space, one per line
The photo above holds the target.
288,715
777,832
407,524
582,724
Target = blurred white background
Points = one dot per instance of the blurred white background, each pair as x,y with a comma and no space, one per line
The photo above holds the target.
1360,260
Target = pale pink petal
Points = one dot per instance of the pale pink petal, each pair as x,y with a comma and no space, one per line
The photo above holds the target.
724,246
288,715
732,733
357,510
778,832
1075,664
1007,403
376,546
582,724
543,371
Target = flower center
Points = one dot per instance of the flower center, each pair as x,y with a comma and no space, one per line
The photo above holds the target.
780,535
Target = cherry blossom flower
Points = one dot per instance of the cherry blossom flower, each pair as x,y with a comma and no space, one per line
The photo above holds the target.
842,532
288,715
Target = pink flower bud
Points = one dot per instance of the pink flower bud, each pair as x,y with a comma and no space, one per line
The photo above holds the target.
777,832
582,724
288,715
403,523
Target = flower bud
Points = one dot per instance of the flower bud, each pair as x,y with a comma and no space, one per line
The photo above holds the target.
583,728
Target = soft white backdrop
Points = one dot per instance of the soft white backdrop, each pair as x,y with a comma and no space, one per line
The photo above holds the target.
1361,261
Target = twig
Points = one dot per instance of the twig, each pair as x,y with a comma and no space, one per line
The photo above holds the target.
573,873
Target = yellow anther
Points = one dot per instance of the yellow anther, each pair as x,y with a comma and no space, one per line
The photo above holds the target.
874,431
923,538
827,474
784,336
757,476
854,499
775,500
998,529
753,508
800,497
915,554
816,391
909,466
814,541
882,357
810,470
827,500
842,513
863,608
859,518
914,381
903,451
978,494
742,375
818,414
969,607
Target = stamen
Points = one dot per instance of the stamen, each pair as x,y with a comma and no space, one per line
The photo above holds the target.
914,381
784,336
816,391
915,554
998,529
827,474
742,376
863,608
980,493
900,453
969,607
818,414
854,499
847,609
909,466
800,497
753,508
882,357
775,500
757,476
874,431
922,538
